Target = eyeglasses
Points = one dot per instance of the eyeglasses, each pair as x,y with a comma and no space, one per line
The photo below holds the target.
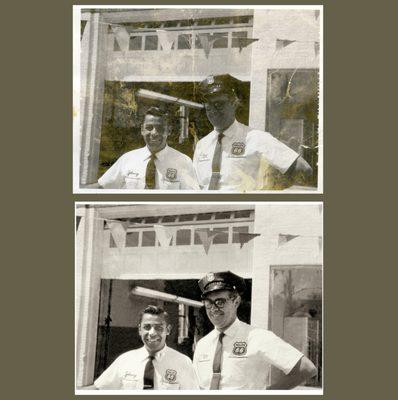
219,303
158,328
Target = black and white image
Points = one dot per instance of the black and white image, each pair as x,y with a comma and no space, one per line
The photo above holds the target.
199,297
201,99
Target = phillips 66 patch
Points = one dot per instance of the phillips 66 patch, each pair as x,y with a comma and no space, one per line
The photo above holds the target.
171,174
240,348
238,149
170,375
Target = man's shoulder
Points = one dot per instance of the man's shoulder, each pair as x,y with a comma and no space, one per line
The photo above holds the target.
129,355
177,355
132,154
205,339
205,140
176,154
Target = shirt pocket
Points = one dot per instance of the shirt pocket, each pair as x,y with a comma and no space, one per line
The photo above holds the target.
133,183
129,383
170,185
169,386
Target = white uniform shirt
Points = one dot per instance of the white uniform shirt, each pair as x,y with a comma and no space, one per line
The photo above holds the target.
246,155
173,371
174,171
248,354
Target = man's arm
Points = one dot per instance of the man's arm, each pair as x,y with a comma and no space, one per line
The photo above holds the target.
301,372
92,186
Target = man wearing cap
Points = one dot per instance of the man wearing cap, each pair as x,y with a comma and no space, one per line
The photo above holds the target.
236,355
155,166
153,366
235,157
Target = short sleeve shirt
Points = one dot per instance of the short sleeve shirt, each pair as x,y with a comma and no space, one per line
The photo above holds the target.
174,171
248,354
247,155
173,371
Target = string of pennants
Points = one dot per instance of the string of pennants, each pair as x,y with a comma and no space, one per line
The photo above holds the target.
285,238
165,234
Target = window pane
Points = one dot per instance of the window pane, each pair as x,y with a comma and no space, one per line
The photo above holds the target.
151,42
223,215
204,217
197,239
188,217
151,220
135,43
184,41
132,239
221,238
169,218
183,237
222,41
242,214
235,35
136,220
236,230
148,238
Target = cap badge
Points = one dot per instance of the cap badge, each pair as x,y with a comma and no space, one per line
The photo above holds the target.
210,80
210,277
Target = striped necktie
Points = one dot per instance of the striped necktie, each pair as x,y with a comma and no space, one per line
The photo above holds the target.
215,380
149,374
150,175
216,164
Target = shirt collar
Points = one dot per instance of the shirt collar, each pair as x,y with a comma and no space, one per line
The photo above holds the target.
158,355
230,131
159,155
231,331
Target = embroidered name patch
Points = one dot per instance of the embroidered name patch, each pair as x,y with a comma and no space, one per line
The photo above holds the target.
132,174
170,375
171,174
240,348
238,148
203,157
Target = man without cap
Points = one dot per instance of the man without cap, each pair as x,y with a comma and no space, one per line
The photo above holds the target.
236,355
236,157
155,166
155,366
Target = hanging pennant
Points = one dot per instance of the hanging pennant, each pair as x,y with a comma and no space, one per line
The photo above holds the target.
206,237
316,14
164,234
246,237
78,219
207,41
122,37
167,38
244,42
118,231
281,43
283,239
320,243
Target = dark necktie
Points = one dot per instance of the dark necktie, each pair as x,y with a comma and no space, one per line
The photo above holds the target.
149,374
215,380
216,164
150,175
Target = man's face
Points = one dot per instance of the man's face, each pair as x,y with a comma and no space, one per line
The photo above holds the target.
220,110
225,314
155,132
153,331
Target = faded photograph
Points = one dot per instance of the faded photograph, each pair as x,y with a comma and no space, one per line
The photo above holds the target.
199,297
203,100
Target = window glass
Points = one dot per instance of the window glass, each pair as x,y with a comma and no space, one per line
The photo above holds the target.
222,238
235,232
169,218
188,217
197,239
204,217
183,237
148,238
135,43
223,215
151,220
236,35
242,214
132,239
222,40
151,42
184,41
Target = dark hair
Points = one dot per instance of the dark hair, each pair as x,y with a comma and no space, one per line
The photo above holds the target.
157,112
153,310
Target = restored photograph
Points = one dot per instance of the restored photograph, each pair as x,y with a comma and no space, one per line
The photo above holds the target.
199,298
198,99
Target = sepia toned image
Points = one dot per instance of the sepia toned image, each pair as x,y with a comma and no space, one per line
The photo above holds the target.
199,298
198,99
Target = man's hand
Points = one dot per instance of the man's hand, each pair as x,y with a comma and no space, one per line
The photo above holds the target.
300,373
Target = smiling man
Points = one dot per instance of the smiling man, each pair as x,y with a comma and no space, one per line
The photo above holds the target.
235,355
155,166
235,157
155,366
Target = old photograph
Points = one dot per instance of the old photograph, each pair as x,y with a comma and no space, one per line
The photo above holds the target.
200,298
198,99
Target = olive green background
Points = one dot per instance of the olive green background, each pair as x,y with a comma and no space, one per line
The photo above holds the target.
37,318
